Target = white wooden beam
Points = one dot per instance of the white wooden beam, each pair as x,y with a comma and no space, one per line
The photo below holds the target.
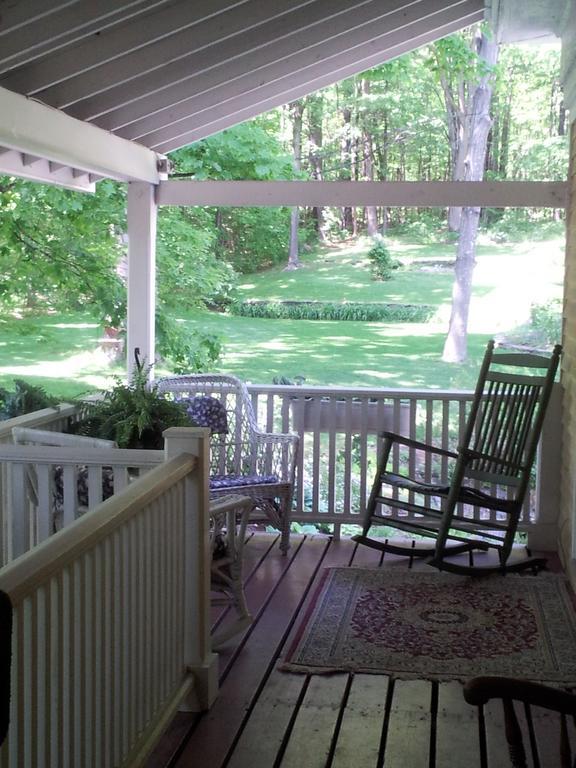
238,108
34,129
494,194
142,215
14,163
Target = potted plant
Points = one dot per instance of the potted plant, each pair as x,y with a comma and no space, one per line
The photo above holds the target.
132,414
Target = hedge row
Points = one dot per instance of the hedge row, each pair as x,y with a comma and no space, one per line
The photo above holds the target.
326,310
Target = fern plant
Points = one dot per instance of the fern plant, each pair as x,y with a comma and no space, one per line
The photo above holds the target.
133,414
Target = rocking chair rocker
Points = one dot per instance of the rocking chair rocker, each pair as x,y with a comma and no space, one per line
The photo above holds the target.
479,508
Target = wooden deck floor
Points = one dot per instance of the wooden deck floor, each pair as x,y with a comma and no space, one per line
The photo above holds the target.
265,718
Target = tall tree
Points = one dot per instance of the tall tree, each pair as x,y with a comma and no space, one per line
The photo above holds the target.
368,155
469,122
315,105
296,113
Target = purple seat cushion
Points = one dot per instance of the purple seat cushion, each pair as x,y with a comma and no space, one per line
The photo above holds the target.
206,411
82,485
237,481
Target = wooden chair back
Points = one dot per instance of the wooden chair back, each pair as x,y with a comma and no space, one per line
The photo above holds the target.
507,414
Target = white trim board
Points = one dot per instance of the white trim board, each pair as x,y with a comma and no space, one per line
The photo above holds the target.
46,133
13,163
503,194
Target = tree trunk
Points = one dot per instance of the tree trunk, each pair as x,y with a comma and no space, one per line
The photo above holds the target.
296,112
368,163
315,116
293,253
456,345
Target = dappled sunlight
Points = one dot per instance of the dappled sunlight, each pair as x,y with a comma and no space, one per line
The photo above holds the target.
73,325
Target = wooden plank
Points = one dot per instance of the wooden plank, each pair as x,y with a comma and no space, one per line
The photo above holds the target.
361,730
271,716
546,726
258,589
456,729
211,741
496,746
408,735
316,723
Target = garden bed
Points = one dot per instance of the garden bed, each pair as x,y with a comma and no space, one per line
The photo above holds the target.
326,310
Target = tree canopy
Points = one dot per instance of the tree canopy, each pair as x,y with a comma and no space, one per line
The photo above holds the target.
63,249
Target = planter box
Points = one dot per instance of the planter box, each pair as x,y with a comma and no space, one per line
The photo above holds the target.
325,415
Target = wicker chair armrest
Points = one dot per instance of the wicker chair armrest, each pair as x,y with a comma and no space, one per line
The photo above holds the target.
282,438
396,438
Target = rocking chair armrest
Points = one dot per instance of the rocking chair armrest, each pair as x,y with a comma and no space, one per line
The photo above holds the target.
480,690
396,438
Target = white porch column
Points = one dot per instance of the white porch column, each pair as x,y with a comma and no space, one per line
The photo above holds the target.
142,214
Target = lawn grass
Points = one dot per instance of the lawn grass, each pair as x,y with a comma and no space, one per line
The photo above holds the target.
60,352
55,351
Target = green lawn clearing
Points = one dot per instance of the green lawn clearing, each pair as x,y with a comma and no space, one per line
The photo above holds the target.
62,353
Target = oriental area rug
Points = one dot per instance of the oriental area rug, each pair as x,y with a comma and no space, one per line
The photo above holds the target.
434,626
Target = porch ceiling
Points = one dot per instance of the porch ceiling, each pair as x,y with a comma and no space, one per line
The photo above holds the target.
165,73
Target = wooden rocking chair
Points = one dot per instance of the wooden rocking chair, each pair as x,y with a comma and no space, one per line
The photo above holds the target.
520,732
480,507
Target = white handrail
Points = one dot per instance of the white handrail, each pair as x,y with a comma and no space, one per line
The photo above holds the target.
105,645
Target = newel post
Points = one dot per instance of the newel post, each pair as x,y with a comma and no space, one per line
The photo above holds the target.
198,651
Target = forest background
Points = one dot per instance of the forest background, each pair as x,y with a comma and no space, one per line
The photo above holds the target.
61,251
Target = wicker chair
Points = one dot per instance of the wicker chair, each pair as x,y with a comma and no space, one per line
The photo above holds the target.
242,458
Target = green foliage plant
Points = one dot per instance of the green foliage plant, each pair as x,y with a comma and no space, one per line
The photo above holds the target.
24,398
185,350
328,310
383,263
546,318
133,414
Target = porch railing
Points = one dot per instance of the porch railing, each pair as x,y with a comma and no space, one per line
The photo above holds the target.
338,429
111,622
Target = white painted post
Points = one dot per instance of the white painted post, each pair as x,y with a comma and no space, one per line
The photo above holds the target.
198,651
544,535
142,214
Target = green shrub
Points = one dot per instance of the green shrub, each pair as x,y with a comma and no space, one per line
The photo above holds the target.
547,319
383,264
325,310
25,398
184,350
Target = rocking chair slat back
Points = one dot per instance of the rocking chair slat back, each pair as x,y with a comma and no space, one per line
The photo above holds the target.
509,414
